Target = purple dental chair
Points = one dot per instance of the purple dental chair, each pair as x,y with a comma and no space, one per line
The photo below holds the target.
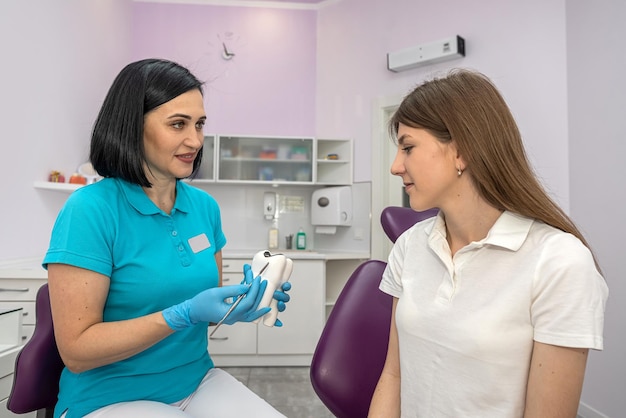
38,366
351,351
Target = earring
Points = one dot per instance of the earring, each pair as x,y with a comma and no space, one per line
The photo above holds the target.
459,171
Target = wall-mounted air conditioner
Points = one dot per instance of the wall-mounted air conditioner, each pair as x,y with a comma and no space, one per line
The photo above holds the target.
442,50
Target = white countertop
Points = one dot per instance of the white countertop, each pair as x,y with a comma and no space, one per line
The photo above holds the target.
299,254
23,268
30,267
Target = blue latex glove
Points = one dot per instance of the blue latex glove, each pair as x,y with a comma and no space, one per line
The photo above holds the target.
211,305
282,299
279,295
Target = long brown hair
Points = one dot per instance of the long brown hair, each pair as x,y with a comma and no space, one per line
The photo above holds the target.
467,108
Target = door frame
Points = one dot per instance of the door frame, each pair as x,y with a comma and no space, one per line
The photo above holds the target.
386,188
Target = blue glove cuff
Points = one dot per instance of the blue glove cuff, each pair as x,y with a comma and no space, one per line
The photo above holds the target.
177,316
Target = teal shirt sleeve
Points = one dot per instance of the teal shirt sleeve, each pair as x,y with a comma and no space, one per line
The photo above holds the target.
83,233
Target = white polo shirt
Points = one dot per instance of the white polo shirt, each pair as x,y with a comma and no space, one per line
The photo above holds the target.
466,324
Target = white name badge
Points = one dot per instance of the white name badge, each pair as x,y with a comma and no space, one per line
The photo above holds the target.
199,243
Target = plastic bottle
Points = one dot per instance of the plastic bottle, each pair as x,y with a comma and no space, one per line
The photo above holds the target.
301,240
272,243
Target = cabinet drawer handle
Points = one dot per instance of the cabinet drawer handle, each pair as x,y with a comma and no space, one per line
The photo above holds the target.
218,338
24,337
24,313
23,289
225,266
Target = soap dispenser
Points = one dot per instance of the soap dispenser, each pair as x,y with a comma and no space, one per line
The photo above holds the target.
300,240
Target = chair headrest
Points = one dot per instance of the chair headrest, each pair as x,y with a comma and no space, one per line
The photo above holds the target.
396,219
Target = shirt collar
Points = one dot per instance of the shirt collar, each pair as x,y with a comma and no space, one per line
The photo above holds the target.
509,231
141,202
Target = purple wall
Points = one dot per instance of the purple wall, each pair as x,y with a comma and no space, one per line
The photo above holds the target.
268,88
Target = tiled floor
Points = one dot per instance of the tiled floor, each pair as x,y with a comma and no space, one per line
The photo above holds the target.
288,389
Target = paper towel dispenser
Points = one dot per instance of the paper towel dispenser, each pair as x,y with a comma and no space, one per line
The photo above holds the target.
332,206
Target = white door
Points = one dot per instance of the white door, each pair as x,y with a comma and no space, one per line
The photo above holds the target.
386,188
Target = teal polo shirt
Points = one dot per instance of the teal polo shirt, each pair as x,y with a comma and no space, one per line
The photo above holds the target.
154,260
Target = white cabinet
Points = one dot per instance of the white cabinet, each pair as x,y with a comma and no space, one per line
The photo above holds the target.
334,161
338,272
10,346
304,317
19,283
283,160
316,281
21,293
239,338
264,159
245,344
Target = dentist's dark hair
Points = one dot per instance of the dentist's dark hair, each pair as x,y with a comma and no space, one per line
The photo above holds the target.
117,148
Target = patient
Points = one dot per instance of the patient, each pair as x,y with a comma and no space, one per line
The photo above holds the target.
134,264
498,299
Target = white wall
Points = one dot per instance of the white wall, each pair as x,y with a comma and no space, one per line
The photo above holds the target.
58,59
597,102
519,44
529,49
246,228
62,56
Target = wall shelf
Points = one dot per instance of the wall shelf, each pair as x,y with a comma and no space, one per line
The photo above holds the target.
264,161
336,171
63,187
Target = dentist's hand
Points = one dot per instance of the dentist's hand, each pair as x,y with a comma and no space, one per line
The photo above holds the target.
211,305
282,299
279,295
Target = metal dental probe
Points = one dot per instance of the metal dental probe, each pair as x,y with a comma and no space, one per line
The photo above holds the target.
234,305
